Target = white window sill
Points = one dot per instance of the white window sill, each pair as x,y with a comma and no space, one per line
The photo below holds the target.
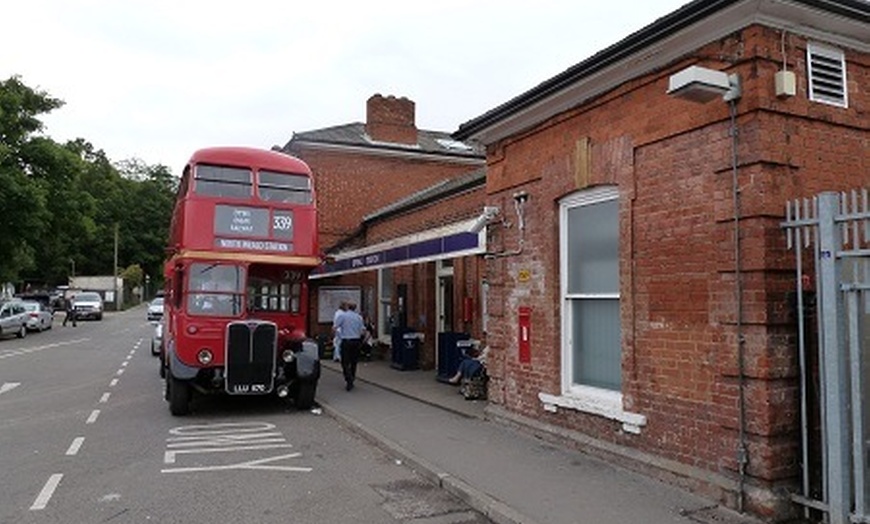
595,401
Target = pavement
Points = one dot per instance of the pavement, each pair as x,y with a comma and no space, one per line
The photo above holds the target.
508,474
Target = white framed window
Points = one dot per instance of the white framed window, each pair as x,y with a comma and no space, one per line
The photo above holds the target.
591,329
826,74
590,290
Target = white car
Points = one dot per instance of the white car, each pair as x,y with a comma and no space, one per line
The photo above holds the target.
39,316
88,304
157,339
13,318
155,309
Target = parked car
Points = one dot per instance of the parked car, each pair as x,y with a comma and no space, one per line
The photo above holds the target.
39,316
88,304
155,309
13,318
157,339
38,296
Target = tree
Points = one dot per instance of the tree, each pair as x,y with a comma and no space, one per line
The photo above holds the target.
23,202
152,196
60,204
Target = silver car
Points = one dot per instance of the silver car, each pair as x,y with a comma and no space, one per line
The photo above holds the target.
155,309
88,304
13,318
39,316
157,339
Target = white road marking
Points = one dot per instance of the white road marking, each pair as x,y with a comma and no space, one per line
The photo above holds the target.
104,398
113,383
6,353
251,464
75,446
124,364
228,438
9,386
199,430
47,491
169,456
225,440
120,371
93,417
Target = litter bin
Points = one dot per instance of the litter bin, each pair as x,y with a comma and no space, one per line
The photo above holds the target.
406,354
449,353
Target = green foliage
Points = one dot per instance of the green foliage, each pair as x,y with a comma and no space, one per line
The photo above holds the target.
133,274
60,204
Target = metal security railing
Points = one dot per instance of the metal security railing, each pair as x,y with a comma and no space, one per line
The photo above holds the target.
832,232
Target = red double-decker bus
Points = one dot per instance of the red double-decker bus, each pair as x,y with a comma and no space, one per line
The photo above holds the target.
243,239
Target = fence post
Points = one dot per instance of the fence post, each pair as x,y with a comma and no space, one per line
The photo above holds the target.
833,359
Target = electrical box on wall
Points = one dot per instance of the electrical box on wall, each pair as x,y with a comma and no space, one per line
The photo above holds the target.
786,85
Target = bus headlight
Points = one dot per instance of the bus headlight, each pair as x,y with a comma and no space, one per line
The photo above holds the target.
204,357
288,356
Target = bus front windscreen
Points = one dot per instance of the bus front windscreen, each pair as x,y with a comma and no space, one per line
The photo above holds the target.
215,289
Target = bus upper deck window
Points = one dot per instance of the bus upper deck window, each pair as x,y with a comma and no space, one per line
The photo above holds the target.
223,181
283,187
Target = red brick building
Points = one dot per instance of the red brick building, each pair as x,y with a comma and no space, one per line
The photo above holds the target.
363,173
651,276
629,270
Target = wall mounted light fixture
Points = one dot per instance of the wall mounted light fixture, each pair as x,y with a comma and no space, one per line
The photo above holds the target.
700,84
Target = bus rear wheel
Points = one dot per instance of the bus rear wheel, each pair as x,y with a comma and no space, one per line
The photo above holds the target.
178,395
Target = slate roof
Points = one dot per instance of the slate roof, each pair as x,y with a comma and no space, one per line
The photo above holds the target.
433,193
443,189
354,135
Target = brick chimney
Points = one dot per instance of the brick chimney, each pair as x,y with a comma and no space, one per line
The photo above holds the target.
391,119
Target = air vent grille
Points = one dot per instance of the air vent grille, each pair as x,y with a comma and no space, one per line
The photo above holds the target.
827,75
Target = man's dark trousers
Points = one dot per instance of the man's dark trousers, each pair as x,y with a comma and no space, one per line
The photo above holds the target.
350,348
70,316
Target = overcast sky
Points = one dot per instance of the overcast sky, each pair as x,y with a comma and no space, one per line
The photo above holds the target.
157,79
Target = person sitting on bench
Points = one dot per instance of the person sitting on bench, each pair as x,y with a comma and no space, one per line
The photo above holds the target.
471,366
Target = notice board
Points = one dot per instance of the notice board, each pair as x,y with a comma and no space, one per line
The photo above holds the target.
330,297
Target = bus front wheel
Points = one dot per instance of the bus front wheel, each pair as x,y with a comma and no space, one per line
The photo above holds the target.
178,393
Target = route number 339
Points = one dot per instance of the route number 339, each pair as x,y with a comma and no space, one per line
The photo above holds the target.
282,222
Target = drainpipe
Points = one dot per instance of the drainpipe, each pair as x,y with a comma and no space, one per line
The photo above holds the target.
742,452
519,201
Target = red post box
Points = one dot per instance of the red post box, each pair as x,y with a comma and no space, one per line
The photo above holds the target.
525,335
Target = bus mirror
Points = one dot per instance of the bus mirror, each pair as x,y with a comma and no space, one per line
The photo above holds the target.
178,285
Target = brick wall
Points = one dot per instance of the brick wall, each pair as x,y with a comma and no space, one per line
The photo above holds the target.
671,161
352,184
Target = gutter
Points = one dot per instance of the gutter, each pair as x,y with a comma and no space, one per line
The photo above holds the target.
658,30
646,38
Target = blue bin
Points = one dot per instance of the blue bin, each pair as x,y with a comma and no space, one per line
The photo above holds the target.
405,350
450,353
